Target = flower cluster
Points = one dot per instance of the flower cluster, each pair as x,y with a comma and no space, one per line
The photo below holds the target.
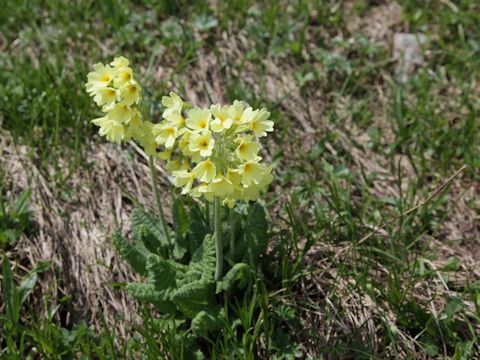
213,152
115,90
210,152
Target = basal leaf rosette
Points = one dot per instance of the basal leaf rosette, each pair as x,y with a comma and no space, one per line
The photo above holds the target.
214,152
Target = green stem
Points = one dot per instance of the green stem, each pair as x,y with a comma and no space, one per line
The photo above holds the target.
207,210
232,233
153,171
218,239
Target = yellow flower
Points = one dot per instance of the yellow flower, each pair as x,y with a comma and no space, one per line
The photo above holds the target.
203,190
260,125
195,158
112,129
251,193
177,165
252,173
183,178
119,62
235,111
247,149
123,75
165,134
202,143
121,113
99,78
229,202
221,120
198,119
174,117
220,186
146,139
165,155
105,96
173,104
173,101
248,115
184,142
267,177
234,176
134,126
205,171
130,93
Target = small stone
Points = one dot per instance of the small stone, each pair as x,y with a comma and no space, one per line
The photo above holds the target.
407,51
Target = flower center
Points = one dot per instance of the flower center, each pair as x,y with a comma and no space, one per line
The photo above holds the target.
106,77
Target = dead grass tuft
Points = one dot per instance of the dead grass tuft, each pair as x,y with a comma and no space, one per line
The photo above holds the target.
73,228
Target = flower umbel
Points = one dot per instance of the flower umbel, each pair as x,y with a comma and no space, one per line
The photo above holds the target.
115,90
210,152
221,146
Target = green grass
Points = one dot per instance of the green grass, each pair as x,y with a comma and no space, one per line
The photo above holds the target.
353,148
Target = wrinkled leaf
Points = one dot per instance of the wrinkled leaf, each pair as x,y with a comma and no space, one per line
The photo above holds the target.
136,256
194,297
256,228
148,229
202,265
238,273
206,321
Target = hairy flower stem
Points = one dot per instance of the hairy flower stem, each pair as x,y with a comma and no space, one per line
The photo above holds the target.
153,171
232,232
218,239
207,210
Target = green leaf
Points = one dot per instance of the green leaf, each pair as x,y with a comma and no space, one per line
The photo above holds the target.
202,265
26,286
21,205
198,229
181,226
161,273
453,264
180,218
204,22
179,249
239,272
10,293
166,325
256,228
194,297
463,350
28,282
454,305
208,320
148,293
148,229
135,255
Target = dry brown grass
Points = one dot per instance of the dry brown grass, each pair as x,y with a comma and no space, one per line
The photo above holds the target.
73,230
